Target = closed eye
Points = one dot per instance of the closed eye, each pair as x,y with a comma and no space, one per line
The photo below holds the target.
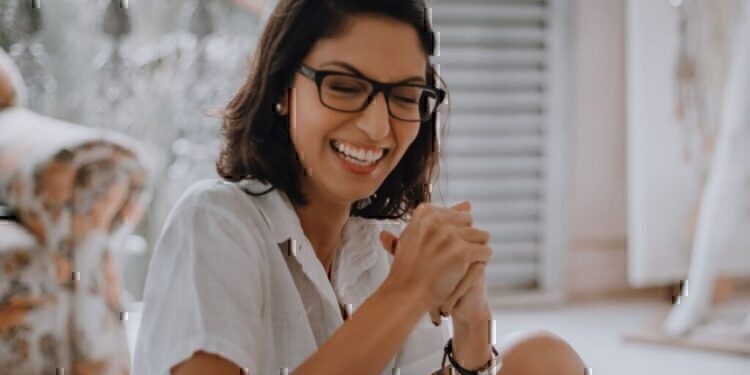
346,89
405,99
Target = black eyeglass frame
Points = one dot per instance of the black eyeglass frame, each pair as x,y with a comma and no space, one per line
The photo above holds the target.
318,75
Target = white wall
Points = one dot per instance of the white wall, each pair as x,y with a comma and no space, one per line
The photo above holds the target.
598,206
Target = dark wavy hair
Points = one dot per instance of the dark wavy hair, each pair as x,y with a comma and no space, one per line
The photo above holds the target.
257,143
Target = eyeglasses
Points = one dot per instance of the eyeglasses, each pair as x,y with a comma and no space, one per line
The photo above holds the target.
346,92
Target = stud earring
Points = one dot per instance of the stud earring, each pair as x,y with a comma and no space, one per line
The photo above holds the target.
278,108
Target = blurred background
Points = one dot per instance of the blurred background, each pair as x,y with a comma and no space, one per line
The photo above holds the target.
604,144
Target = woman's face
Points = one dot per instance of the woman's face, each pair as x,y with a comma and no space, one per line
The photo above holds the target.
384,50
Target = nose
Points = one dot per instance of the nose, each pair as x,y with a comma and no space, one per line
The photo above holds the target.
375,120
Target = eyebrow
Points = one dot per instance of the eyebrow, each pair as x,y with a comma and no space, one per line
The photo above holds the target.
354,70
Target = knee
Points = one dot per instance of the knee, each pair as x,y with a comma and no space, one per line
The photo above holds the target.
539,352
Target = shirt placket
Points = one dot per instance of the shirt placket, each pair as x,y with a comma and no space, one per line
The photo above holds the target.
317,282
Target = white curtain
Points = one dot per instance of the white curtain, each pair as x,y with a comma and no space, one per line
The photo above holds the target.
668,186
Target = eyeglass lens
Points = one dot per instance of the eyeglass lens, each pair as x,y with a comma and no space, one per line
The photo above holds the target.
345,93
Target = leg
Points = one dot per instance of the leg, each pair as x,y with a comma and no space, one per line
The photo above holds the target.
539,353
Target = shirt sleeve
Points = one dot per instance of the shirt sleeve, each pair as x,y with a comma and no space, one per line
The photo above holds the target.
204,291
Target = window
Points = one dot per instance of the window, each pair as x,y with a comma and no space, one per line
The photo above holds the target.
505,64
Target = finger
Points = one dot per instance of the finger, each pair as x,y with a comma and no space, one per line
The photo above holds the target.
389,241
473,235
440,314
458,214
463,206
473,274
456,218
435,317
477,253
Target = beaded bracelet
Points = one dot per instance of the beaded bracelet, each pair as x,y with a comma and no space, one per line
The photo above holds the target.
448,353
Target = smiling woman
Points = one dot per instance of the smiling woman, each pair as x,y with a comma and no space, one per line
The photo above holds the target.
281,263
360,39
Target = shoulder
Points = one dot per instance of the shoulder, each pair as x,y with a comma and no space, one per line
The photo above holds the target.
212,207
218,197
211,192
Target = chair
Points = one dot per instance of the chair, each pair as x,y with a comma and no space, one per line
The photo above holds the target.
75,193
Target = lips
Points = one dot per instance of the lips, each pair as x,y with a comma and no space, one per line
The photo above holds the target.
356,168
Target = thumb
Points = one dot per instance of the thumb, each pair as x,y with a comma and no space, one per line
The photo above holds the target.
389,241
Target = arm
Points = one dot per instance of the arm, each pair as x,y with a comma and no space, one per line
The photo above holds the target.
393,313
371,337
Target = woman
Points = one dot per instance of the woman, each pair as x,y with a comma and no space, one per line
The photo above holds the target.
278,267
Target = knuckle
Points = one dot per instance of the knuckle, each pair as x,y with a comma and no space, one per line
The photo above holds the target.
444,237
429,222
461,257
487,252
485,235
481,267
432,217
421,209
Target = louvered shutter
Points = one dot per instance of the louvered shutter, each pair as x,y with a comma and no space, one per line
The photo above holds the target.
504,65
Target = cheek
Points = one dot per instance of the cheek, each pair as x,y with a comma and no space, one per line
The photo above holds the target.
304,123
310,126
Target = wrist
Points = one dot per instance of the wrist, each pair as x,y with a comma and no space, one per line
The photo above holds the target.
491,367
472,342
482,316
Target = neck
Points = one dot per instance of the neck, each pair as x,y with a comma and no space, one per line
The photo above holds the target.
323,221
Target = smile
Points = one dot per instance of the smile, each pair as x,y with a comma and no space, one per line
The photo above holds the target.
349,158
358,156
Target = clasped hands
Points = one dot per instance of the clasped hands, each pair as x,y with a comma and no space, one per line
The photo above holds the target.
468,300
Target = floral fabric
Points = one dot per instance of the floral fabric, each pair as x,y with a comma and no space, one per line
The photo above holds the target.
77,192
12,88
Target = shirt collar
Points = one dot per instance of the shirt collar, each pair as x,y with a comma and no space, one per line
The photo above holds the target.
359,246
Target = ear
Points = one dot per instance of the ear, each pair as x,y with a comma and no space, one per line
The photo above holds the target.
389,241
284,101
280,107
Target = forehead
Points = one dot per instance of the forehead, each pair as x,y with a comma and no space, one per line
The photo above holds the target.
381,48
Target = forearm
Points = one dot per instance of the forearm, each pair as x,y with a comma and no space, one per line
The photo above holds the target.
370,338
471,342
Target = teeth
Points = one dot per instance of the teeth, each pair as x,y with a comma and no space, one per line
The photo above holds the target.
360,154
357,162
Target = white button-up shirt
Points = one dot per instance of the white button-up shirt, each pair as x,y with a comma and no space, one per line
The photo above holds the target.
235,275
